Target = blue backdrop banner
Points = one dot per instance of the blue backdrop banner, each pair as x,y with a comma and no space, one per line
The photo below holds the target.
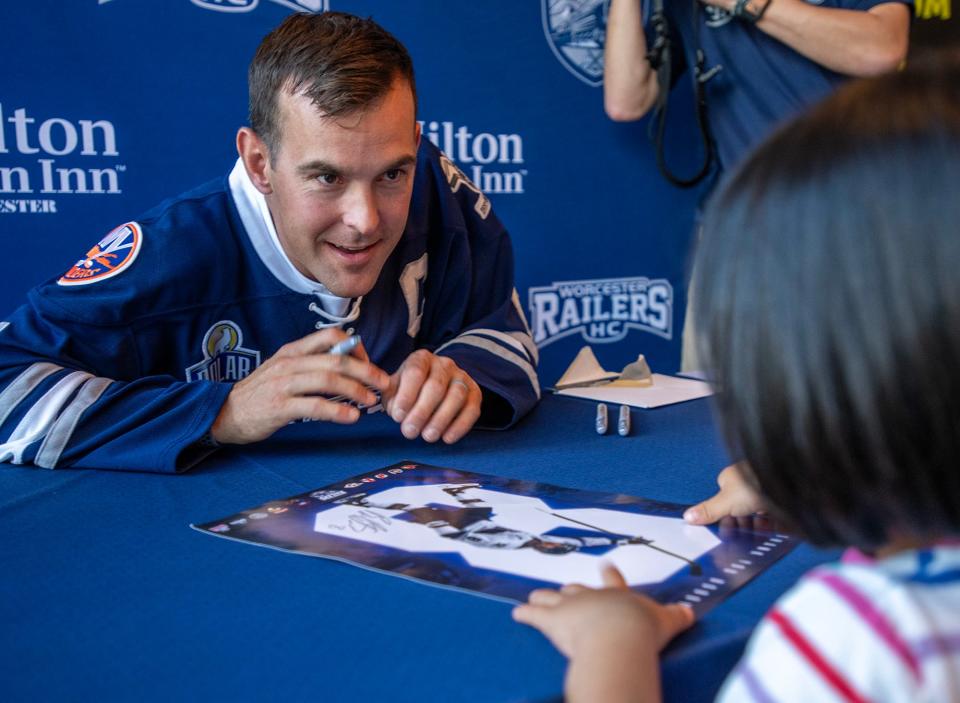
109,106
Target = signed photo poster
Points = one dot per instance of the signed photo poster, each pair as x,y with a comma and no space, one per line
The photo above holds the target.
503,538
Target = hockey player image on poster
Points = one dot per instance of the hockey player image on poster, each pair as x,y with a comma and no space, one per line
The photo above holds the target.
504,537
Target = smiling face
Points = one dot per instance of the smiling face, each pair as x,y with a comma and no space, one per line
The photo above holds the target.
338,188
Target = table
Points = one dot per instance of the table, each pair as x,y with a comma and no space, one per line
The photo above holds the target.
107,594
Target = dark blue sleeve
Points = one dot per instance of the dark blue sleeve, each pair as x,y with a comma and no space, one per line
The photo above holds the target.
473,313
72,394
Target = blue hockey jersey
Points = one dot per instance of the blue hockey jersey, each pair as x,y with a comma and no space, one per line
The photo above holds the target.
125,360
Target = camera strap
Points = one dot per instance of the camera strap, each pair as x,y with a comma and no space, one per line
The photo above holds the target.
659,56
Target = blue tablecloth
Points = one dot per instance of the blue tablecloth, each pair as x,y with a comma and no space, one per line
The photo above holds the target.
107,594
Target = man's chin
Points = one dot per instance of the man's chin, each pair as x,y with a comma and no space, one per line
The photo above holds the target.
347,281
350,286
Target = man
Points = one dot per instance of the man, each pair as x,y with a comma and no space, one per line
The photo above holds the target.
764,59
192,327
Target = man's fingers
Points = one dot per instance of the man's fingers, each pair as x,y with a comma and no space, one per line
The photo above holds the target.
325,367
360,351
314,346
409,379
314,343
465,421
327,383
454,398
458,411
316,408
429,397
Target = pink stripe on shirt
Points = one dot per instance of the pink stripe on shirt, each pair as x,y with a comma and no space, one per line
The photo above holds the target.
806,649
873,617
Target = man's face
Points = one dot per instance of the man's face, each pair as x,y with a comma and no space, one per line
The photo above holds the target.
341,187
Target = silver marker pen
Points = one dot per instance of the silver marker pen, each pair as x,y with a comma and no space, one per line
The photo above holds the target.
623,421
601,421
346,346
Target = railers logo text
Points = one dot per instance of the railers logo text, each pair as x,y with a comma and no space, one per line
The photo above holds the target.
601,310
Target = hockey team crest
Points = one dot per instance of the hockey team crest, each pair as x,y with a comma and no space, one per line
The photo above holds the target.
250,5
575,30
224,357
110,256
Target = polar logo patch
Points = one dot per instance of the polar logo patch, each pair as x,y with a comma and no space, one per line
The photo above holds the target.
110,256
224,356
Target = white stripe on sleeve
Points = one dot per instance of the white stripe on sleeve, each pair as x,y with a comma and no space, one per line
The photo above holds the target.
38,420
488,345
61,431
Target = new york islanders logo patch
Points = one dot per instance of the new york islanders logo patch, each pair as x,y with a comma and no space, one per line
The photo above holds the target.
110,256
224,357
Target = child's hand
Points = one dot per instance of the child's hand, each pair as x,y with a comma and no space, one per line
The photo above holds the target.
734,499
579,620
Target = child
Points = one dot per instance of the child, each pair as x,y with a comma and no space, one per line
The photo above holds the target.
828,291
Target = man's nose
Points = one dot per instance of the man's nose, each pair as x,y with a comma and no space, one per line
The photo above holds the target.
360,210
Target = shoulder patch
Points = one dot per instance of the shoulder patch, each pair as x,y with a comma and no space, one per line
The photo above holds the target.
224,356
110,256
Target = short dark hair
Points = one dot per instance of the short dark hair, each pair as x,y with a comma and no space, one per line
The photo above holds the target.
343,63
827,291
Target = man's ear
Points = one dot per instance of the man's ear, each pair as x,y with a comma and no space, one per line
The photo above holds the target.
256,159
419,133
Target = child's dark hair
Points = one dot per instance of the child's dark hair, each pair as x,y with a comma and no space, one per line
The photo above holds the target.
828,297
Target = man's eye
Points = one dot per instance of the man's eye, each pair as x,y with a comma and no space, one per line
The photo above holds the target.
394,174
328,179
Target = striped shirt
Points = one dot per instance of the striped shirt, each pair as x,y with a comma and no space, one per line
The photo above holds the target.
860,630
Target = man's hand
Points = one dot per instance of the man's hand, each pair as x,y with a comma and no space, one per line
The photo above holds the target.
432,397
288,386
734,499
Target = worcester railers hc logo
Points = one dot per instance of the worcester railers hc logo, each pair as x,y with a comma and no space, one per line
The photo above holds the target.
601,310
575,31
224,357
